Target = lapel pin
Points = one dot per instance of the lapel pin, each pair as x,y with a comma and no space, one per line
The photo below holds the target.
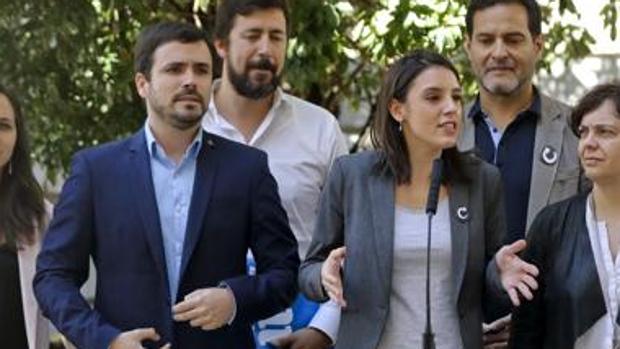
462,213
549,155
210,142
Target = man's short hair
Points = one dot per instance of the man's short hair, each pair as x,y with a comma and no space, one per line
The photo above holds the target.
229,9
159,34
534,18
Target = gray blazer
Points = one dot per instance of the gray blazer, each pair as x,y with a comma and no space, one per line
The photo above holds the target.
552,181
357,211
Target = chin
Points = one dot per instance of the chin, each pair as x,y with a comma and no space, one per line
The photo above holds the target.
501,88
447,144
593,174
187,118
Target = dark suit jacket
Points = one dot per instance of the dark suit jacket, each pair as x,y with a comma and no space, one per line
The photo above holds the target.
357,211
569,299
550,183
107,210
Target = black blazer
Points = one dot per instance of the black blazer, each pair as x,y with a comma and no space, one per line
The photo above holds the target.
569,299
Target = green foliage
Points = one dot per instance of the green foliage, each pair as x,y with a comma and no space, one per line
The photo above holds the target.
71,60
610,17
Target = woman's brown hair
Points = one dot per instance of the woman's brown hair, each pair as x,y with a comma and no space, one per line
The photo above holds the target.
21,198
385,134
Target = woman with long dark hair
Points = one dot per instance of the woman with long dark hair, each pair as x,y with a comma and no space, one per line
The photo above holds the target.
372,222
22,218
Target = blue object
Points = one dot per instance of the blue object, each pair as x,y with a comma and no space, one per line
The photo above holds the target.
296,317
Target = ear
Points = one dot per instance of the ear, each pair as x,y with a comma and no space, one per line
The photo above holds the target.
539,44
467,45
142,84
396,109
221,47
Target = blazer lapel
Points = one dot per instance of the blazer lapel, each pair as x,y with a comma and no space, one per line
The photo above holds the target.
547,147
585,284
206,170
460,215
467,138
382,208
147,202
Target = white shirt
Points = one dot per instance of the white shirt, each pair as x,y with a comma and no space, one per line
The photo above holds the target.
602,333
302,140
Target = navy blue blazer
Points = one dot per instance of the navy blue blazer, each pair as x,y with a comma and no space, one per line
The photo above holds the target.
107,210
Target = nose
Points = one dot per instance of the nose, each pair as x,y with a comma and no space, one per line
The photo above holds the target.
264,45
588,141
499,50
452,107
189,80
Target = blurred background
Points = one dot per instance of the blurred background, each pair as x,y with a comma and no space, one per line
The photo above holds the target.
70,61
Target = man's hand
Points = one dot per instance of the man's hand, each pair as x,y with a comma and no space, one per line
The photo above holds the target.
305,338
496,334
516,275
207,308
330,275
133,339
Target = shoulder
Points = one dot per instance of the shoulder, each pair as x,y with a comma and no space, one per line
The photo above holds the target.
562,209
360,163
219,142
488,171
477,168
310,113
558,222
301,105
111,150
234,154
551,107
555,219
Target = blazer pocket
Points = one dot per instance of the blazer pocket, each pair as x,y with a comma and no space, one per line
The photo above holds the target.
566,174
565,185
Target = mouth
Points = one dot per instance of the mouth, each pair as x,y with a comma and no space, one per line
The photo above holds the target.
449,126
591,161
500,70
262,71
188,98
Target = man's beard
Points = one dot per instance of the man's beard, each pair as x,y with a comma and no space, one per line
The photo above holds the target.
181,120
244,86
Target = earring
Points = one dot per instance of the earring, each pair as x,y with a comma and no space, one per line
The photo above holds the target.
10,168
400,126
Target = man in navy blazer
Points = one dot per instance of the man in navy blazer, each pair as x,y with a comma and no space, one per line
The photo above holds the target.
167,215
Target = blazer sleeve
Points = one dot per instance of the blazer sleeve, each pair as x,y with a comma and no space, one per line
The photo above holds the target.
274,248
528,322
62,265
498,301
328,234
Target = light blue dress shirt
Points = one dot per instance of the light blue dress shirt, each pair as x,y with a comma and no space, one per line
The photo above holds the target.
173,184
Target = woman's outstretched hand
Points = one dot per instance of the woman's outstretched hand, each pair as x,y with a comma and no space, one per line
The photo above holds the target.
516,275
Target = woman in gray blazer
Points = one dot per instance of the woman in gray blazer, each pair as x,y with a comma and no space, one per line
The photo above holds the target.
372,212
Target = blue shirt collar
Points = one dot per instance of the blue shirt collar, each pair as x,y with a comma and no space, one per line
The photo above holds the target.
155,148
